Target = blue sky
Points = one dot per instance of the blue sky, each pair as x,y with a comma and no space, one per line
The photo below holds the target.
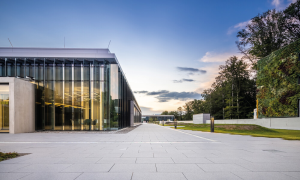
169,48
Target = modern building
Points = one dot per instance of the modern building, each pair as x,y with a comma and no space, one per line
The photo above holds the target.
158,118
64,89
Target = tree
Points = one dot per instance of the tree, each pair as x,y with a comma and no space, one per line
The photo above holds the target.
232,95
292,17
180,112
188,111
269,32
165,113
175,113
264,34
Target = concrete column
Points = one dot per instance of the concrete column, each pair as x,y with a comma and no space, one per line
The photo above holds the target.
21,105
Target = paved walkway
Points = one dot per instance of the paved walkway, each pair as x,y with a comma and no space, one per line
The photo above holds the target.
149,152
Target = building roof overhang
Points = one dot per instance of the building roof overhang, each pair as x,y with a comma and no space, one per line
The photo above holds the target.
60,53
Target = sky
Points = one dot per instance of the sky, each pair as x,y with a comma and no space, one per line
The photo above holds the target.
170,50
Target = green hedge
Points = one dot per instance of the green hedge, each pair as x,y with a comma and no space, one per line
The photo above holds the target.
277,82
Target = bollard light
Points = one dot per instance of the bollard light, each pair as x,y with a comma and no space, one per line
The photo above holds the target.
212,124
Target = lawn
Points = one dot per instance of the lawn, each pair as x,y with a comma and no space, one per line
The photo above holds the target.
243,129
4,156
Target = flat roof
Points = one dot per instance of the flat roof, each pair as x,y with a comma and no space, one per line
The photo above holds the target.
33,52
156,115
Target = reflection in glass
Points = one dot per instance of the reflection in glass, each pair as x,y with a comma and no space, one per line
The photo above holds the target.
4,108
72,94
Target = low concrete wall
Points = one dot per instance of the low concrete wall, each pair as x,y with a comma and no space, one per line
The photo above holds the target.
200,118
190,121
21,105
274,123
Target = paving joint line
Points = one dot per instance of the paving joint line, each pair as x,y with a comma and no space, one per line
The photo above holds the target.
111,167
184,176
190,134
102,142
79,175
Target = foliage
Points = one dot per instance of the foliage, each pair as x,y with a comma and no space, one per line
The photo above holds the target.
277,87
232,95
4,156
165,113
175,113
269,32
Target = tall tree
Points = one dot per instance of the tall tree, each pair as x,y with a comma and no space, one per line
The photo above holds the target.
292,17
188,111
264,34
269,32
179,110
165,113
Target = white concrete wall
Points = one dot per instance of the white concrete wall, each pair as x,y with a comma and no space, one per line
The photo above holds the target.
21,105
274,123
201,118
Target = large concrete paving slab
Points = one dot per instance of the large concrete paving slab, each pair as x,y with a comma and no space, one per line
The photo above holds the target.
149,152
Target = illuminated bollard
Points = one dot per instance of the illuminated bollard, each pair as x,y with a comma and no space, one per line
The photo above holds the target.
212,124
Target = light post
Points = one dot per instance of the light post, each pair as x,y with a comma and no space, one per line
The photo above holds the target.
175,124
212,124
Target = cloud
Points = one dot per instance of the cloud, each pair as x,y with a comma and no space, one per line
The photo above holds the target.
214,57
140,92
183,80
151,93
157,92
165,96
292,1
191,70
238,26
182,96
149,111
280,4
276,3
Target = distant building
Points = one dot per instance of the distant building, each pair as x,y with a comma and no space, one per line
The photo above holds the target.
158,117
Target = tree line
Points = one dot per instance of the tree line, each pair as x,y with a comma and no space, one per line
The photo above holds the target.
233,93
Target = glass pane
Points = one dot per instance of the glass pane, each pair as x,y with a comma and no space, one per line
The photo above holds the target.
49,105
96,106
77,119
86,106
59,108
10,67
39,105
4,108
68,106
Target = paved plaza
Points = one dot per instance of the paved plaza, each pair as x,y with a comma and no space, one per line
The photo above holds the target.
148,152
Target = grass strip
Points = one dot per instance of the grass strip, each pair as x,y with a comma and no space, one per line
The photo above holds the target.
243,129
4,156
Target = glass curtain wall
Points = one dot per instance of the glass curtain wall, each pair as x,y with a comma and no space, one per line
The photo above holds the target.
4,108
74,94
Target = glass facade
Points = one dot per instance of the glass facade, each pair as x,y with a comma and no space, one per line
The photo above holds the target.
73,94
4,108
